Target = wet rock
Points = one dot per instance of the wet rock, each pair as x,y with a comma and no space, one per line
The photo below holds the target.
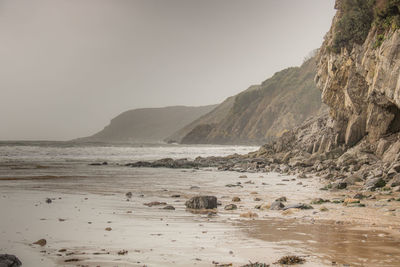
202,202
122,252
7,260
236,199
230,207
234,185
99,164
277,205
154,203
169,207
300,206
41,242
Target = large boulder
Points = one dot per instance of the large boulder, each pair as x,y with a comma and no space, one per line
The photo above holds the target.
9,261
202,202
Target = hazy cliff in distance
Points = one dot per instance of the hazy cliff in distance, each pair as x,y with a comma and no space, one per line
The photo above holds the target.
147,125
260,113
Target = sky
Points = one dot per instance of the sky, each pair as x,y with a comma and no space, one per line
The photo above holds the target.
67,67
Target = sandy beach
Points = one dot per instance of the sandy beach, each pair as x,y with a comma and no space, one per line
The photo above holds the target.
91,222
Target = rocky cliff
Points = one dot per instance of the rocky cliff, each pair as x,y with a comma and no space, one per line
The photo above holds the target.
262,112
360,79
359,76
147,125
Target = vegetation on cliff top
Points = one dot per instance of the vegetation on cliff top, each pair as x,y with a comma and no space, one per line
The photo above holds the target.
357,17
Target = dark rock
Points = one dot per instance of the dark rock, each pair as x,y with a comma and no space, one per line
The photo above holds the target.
48,200
277,205
128,195
301,206
176,196
7,260
230,207
154,203
373,183
202,202
169,207
41,242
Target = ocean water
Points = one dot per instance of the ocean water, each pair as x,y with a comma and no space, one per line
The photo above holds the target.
90,152
20,159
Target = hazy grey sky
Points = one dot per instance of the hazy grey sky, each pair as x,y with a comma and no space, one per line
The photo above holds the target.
68,66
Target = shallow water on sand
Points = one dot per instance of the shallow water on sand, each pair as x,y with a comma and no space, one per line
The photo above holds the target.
88,199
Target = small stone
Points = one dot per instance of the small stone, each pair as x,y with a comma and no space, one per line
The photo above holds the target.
108,229
230,207
41,242
169,207
236,199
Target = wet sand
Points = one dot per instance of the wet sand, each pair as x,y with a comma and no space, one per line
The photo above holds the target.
82,208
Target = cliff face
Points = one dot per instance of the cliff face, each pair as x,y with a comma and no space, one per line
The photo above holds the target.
358,141
360,80
147,125
264,112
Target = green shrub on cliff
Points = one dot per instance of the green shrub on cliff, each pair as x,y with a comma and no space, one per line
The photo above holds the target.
357,18
354,23
387,15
